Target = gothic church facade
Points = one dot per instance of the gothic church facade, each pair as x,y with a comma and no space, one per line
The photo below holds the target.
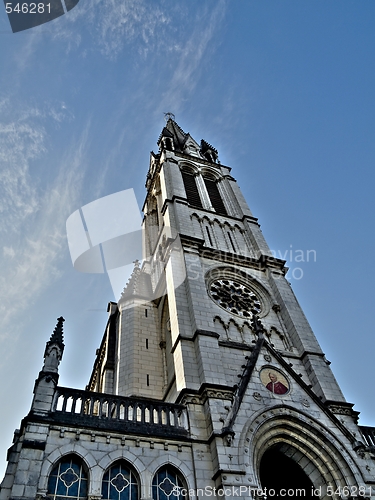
208,378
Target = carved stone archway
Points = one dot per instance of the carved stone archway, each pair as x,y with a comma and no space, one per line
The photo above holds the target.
287,433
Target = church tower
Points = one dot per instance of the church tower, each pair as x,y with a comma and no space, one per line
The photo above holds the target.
208,381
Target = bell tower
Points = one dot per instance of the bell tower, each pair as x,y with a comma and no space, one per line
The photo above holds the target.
229,273
208,381
210,321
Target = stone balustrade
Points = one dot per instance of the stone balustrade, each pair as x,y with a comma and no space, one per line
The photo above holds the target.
107,411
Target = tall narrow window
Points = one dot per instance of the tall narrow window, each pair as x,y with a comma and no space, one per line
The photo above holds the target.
231,241
68,480
213,193
209,236
120,483
191,189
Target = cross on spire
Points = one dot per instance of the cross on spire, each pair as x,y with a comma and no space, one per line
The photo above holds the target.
169,116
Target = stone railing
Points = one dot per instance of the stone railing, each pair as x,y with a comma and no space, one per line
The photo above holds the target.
107,411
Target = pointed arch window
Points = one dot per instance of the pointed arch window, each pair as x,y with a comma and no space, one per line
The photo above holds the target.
168,484
192,193
215,197
120,483
68,480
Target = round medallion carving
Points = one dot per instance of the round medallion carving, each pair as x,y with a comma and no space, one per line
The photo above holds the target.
234,297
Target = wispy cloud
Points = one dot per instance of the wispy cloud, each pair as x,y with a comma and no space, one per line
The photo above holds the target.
36,250
111,25
9,252
21,140
190,57
118,23
142,27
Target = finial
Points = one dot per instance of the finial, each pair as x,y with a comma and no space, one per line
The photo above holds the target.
58,334
136,263
169,116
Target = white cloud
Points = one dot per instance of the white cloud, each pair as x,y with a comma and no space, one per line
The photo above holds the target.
190,57
118,22
142,27
9,252
39,240
111,25
20,141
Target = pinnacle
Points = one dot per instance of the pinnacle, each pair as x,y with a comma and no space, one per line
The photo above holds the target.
131,285
205,146
57,336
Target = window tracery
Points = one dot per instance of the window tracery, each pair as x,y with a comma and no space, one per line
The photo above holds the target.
68,479
120,483
168,484
234,297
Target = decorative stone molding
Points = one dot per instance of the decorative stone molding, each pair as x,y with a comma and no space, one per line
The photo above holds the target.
192,399
219,394
212,393
342,408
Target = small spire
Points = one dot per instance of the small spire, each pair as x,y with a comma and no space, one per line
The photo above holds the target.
131,285
54,348
209,152
57,336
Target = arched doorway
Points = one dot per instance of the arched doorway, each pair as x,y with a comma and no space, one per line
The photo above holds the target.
281,473
318,455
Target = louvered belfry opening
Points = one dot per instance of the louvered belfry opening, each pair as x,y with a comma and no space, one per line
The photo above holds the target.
191,189
213,193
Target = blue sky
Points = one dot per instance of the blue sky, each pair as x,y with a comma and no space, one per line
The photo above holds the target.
284,91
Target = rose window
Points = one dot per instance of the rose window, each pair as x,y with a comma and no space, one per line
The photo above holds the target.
235,297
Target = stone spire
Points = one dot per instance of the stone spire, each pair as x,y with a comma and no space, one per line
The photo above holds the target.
131,286
57,336
139,284
54,348
48,378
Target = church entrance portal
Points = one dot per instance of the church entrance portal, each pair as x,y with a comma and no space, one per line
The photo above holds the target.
282,474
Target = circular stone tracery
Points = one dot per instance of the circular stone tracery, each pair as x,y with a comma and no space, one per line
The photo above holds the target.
234,297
